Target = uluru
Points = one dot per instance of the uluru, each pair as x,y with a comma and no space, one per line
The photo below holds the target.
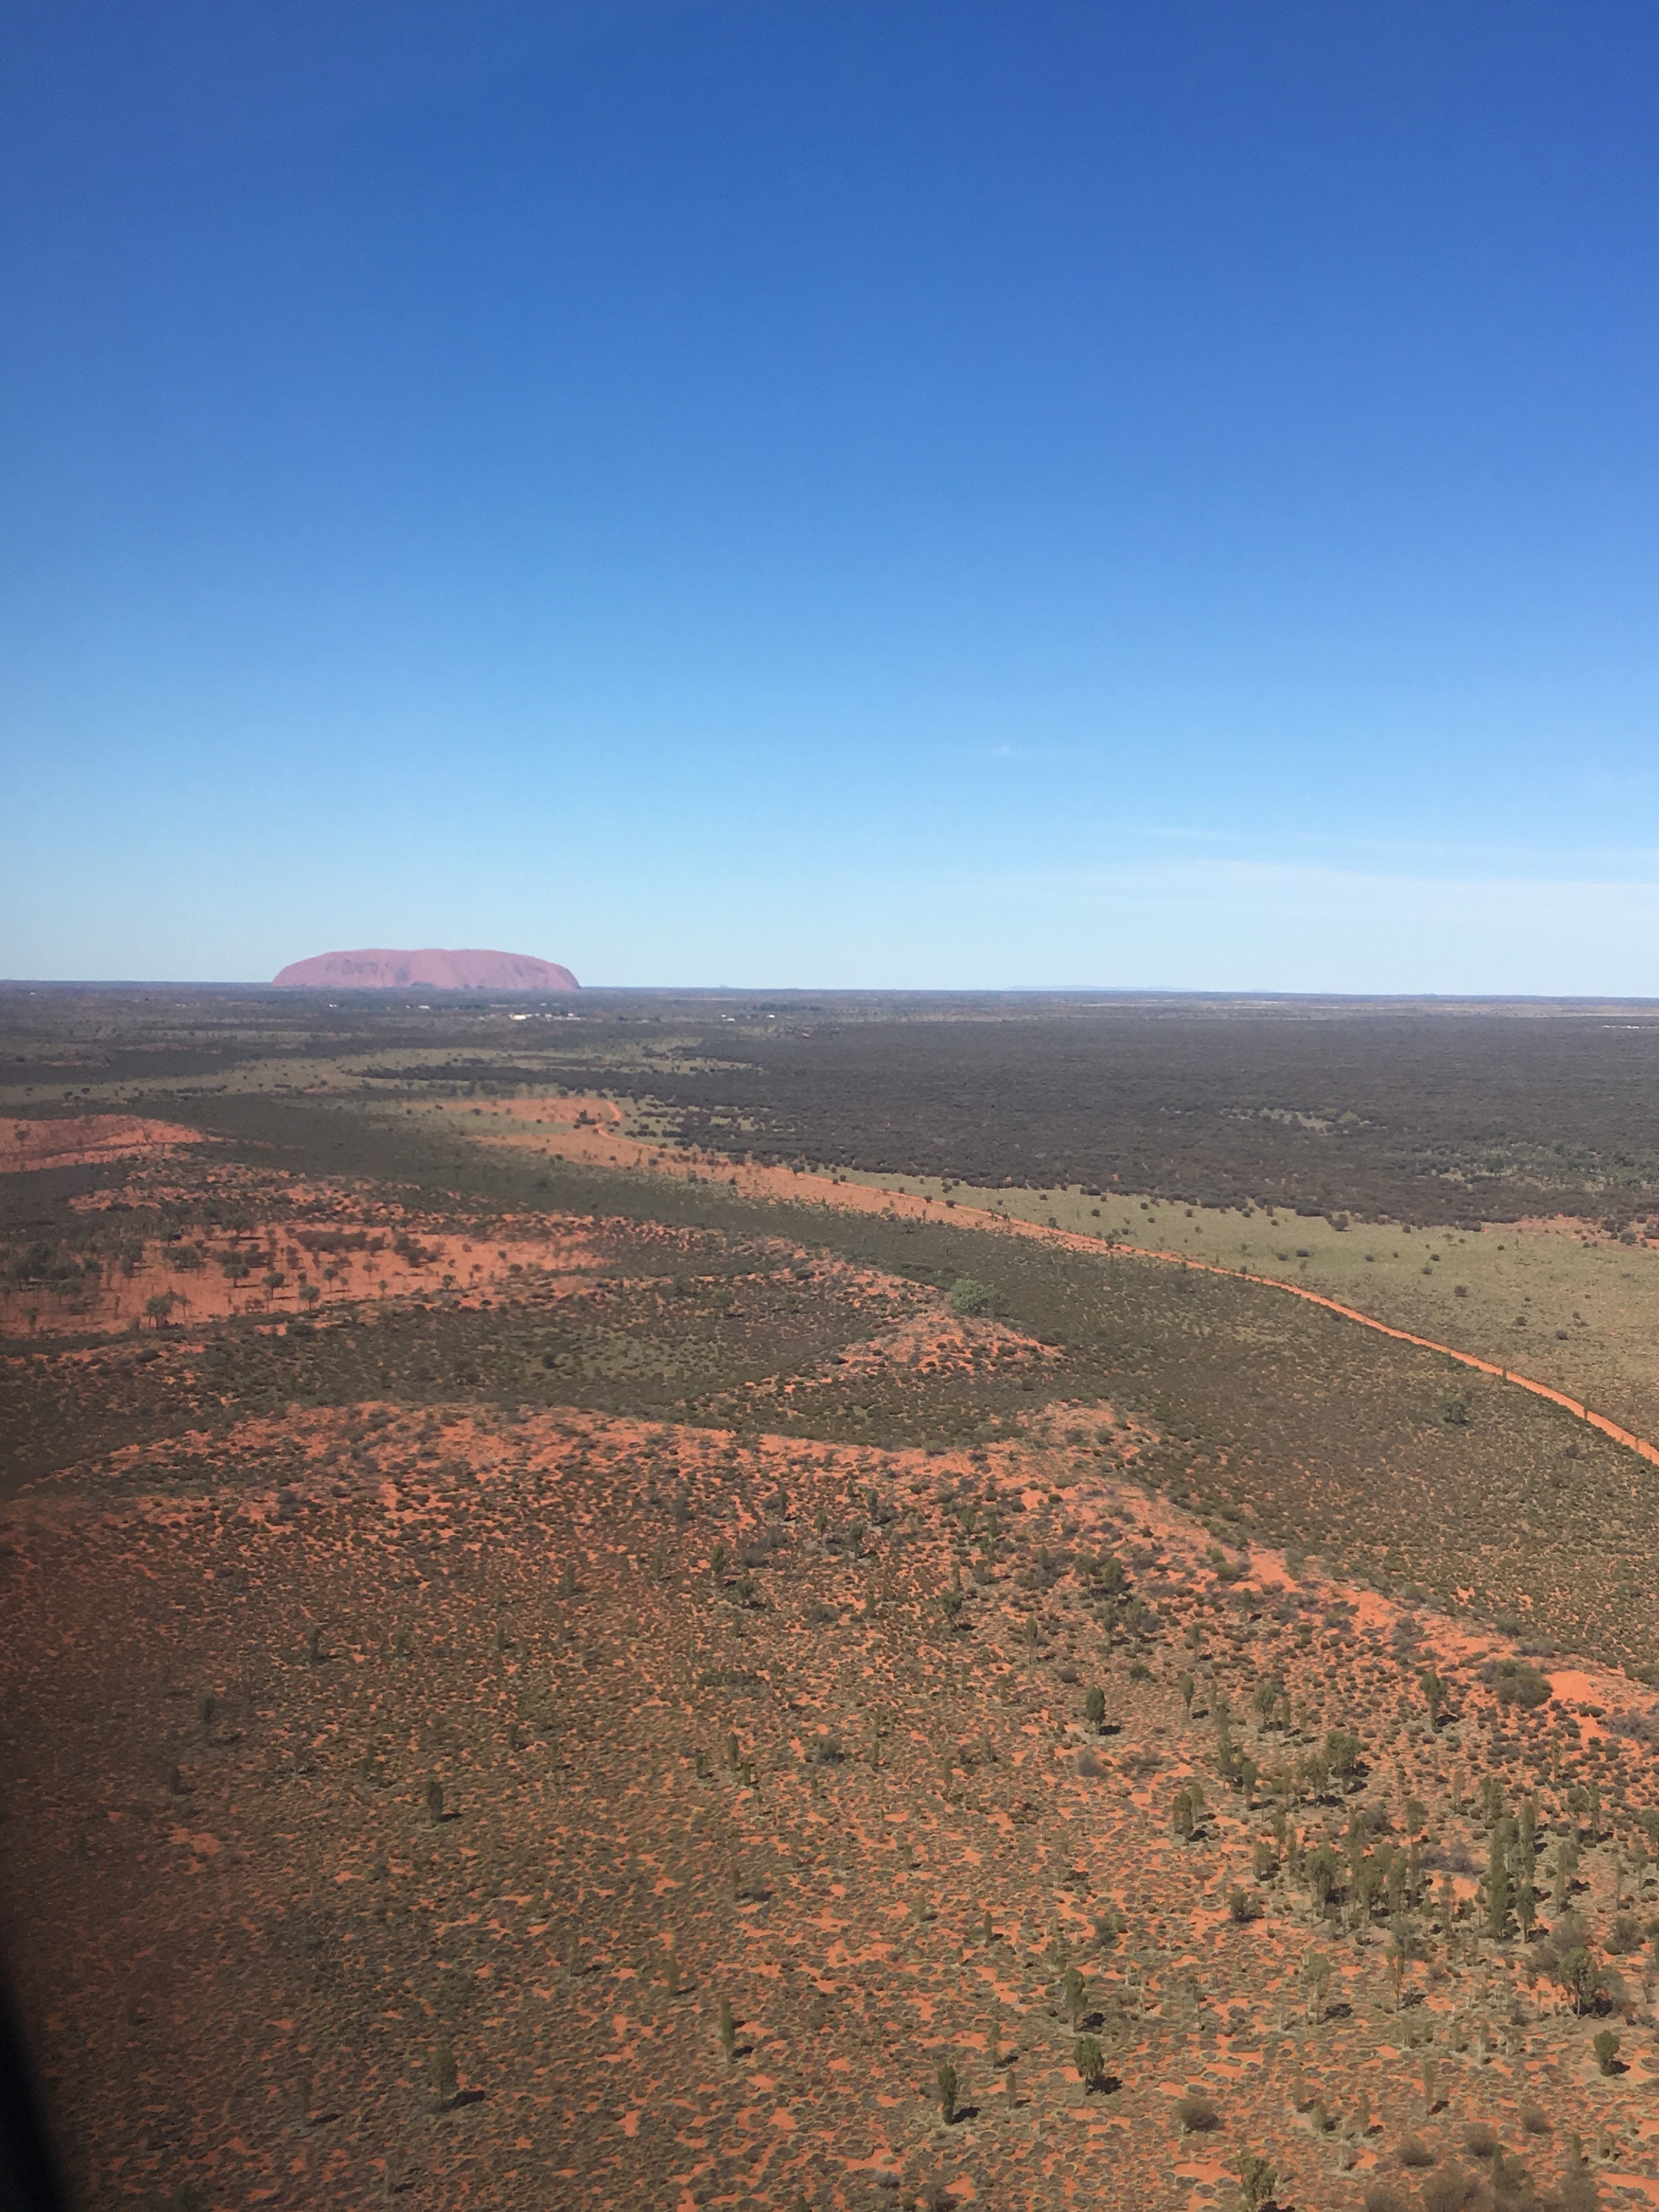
429,970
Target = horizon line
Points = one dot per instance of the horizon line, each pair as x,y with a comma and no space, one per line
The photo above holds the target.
34,985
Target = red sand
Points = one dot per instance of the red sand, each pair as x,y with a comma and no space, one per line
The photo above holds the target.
82,1138
279,1936
201,1290
222,1926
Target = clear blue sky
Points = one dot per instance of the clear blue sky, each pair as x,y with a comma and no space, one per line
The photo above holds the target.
868,492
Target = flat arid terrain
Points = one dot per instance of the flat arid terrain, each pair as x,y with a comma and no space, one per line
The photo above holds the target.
664,1601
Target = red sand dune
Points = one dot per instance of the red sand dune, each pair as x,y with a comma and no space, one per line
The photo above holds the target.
428,971
80,1139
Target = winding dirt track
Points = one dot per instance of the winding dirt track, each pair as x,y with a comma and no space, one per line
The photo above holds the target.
607,1146
1632,1443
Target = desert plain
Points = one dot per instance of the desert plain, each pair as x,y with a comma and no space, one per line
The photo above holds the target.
676,1600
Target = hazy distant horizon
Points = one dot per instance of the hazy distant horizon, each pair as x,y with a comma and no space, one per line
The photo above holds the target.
1103,993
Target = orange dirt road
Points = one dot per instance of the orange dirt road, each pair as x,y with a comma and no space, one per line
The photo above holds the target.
607,1147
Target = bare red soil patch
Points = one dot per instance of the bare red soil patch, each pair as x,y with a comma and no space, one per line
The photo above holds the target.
85,1139
329,1247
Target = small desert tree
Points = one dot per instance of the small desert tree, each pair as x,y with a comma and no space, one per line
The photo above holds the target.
1396,1957
1498,1882
951,1600
1342,1749
1316,1974
1258,2178
1321,1870
946,2077
1090,2062
446,2076
1580,1975
1526,1903
1315,1771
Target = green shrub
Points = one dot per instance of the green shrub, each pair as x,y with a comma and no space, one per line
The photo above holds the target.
1258,2178
969,1296
1517,1682
1449,2191
1197,2115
